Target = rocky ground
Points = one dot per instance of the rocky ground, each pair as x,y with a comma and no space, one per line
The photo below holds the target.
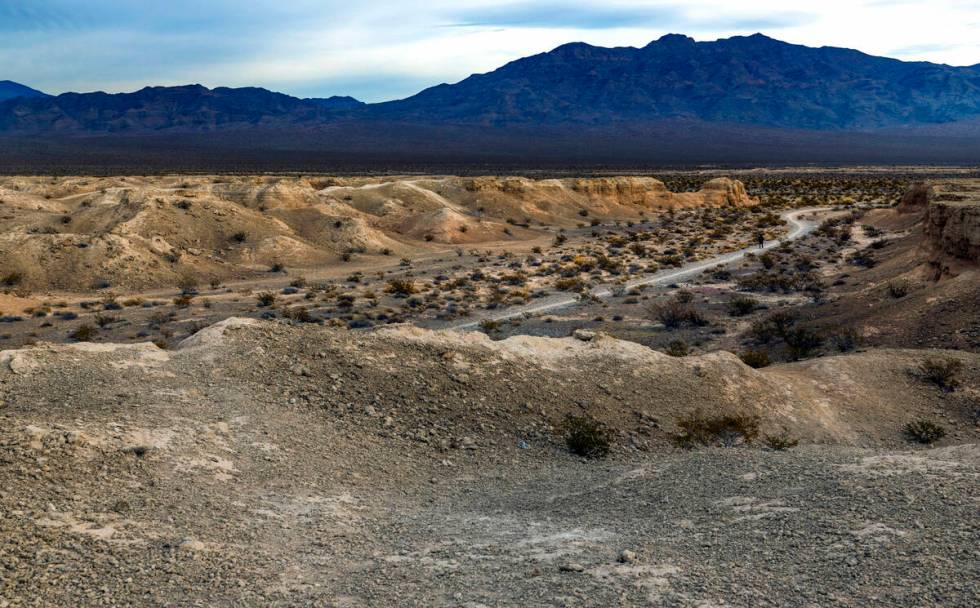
267,464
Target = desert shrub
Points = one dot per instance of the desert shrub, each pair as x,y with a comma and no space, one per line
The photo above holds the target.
239,237
924,431
675,314
266,298
802,342
780,442
740,306
12,279
898,289
300,314
489,326
183,301
83,333
401,288
944,373
863,258
585,436
775,326
104,320
724,429
846,340
570,284
677,348
755,358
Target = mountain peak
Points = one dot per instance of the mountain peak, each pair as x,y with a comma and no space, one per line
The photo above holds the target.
674,39
10,89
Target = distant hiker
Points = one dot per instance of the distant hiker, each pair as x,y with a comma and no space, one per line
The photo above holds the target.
762,239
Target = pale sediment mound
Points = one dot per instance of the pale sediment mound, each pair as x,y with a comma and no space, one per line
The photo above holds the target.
862,398
951,227
138,233
916,198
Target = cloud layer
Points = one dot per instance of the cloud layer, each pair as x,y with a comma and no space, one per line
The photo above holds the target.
380,50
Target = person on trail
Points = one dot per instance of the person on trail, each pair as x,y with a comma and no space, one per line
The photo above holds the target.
761,237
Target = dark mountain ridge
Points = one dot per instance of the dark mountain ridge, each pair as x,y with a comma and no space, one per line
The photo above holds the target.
10,89
743,80
746,99
749,80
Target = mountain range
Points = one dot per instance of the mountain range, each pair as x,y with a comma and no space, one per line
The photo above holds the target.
750,86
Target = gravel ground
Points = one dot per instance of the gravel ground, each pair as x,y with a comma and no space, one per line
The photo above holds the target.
296,466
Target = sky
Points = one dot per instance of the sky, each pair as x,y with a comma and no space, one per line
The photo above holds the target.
377,51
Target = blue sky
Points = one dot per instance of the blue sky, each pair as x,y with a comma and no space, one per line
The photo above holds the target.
381,50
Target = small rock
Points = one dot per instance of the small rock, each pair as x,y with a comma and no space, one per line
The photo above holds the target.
584,335
571,567
627,557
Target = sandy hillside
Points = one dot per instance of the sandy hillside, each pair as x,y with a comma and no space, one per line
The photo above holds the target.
78,233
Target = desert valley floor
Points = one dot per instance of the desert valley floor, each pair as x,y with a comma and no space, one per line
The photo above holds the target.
756,388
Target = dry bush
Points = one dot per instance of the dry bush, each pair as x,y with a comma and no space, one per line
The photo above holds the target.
266,298
780,442
677,348
84,333
898,289
675,314
944,373
12,279
401,288
585,436
756,359
723,429
740,306
924,431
